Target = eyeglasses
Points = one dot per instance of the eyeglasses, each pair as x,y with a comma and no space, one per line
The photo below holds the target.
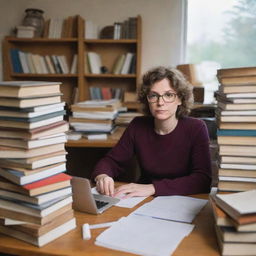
167,97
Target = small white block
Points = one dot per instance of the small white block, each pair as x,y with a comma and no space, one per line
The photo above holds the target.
86,231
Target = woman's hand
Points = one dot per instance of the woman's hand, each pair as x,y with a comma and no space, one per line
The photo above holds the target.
105,184
133,189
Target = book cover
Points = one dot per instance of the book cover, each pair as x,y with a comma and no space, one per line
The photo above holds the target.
29,102
239,206
22,216
25,208
33,119
32,114
37,200
43,239
21,179
9,152
236,140
32,125
236,172
39,230
42,131
37,189
26,165
234,72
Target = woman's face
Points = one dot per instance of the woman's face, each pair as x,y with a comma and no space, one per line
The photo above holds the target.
163,100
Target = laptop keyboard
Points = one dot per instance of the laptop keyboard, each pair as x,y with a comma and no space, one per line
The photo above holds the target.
100,204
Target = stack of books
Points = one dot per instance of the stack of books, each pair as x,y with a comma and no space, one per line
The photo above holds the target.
35,193
124,118
94,116
236,135
235,222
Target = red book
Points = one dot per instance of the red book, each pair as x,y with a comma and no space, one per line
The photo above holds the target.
48,181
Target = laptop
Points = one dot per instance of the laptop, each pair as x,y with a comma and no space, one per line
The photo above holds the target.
85,201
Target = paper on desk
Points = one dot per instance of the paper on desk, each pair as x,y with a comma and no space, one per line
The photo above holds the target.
144,235
128,202
176,208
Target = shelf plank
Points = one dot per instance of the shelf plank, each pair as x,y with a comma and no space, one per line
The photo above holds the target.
110,76
110,41
41,40
43,75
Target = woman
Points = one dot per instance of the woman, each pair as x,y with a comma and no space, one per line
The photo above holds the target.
172,149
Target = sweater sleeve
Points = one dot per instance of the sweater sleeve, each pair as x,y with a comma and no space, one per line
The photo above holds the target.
199,179
118,157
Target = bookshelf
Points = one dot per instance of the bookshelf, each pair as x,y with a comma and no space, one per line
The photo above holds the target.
82,80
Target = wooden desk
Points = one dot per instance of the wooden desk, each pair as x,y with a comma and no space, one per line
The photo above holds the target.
200,242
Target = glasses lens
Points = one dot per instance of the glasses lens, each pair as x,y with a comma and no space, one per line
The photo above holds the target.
152,97
169,97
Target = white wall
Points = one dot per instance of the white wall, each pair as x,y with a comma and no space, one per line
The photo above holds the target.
161,21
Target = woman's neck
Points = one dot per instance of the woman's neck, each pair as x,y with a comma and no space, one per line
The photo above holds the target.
163,127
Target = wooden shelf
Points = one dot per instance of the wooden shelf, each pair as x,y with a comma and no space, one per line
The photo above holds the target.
108,49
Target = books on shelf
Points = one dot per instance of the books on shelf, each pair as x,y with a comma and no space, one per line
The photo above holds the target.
27,62
127,63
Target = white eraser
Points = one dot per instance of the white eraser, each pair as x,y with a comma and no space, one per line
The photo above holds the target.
86,231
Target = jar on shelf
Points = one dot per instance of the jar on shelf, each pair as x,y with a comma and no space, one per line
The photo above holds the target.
34,18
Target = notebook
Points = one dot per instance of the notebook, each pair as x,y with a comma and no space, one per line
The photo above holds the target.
85,201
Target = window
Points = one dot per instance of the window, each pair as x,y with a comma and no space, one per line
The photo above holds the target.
220,34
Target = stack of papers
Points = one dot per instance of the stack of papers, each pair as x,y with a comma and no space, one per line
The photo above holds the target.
155,229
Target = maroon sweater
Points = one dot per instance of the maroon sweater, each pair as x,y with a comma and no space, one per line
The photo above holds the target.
177,163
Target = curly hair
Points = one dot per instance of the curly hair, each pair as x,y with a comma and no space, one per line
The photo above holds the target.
177,81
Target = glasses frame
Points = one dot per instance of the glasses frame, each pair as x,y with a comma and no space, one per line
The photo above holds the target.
162,96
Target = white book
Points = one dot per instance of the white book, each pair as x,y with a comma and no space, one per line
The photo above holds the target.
91,30
44,239
95,64
239,166
101,136
241,202
33,143
96,115
127,63
8,205
21,179
23,61
238,179
38,200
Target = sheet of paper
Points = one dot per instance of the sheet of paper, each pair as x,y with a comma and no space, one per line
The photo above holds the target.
176,208
144,235
127,203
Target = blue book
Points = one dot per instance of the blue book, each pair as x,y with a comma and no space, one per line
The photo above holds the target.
16,64
234,132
